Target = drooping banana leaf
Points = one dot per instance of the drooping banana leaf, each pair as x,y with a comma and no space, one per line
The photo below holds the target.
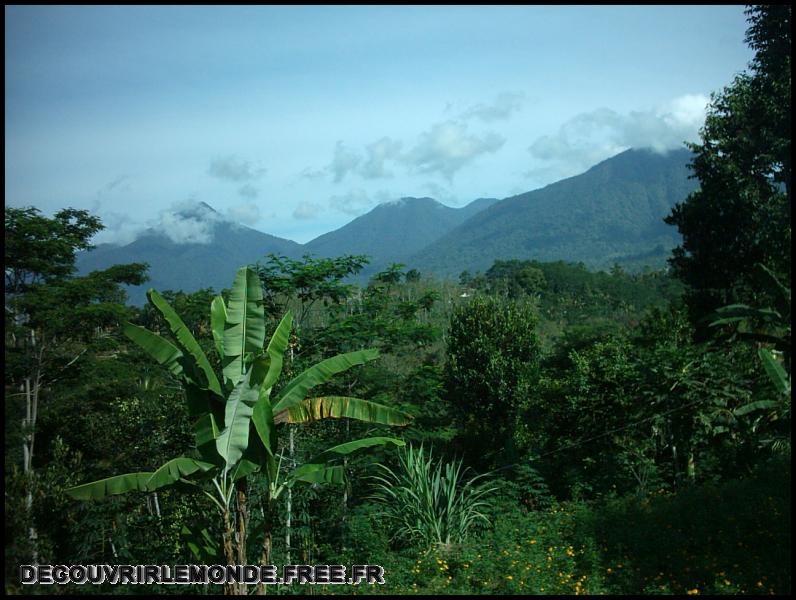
276,350
243,468
234,438
201,544
739,312
295,391
316,473
349,447
775,372
174,470
162,350
118,484
336,407
218,322
245,324
757,405
200,369
263,420
206,431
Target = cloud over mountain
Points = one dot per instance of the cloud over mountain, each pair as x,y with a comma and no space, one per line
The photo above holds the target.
593,136
377,154
448,146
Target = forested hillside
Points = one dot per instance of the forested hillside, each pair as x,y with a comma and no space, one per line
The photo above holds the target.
393,231
612,213
531,426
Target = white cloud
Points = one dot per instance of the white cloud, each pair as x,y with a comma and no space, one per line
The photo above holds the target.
186,222
306,210
343,162
353,203
247,213
248,191
358,201
119,184
313,174
119,229
377,154
441,194
589,138
501,108
448,146
232,168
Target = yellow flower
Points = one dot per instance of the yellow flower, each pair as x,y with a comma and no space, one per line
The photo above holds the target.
509,577
532,542
693,592
608,569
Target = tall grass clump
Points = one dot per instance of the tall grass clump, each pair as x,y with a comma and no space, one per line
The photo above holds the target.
435,505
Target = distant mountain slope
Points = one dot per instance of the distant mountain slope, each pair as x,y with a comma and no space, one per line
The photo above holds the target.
611,213
394,230
190,266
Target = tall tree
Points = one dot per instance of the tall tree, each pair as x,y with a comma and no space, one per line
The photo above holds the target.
51,315
740,215
492,366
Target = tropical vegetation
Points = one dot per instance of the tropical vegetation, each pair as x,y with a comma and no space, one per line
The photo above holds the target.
533,427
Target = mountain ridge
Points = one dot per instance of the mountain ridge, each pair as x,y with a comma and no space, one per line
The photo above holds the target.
613,212
610,213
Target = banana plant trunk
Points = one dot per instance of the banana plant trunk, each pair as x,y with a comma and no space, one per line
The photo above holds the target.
32,390
289,504
230,589
265,558
243,524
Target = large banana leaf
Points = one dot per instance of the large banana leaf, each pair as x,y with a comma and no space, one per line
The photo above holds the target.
349,447
313,473
295,391
336,407
162,350
739,312
110,486
775,371
276,350
187,344
202,545
218,322
758,405
243,468
174,470
245,324
205,431
234,438
264,422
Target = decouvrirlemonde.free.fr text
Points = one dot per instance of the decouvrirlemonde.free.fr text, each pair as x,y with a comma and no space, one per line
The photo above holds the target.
200,574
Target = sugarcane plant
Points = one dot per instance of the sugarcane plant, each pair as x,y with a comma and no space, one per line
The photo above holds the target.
235,417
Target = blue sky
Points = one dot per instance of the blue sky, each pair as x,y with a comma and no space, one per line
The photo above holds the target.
294,120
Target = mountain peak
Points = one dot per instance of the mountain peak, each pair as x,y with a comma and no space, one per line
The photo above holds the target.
409,200
200,211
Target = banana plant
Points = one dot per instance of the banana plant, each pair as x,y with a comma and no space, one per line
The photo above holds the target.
775,323
235,417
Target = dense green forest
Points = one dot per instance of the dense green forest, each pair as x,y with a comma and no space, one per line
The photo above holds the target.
535,428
